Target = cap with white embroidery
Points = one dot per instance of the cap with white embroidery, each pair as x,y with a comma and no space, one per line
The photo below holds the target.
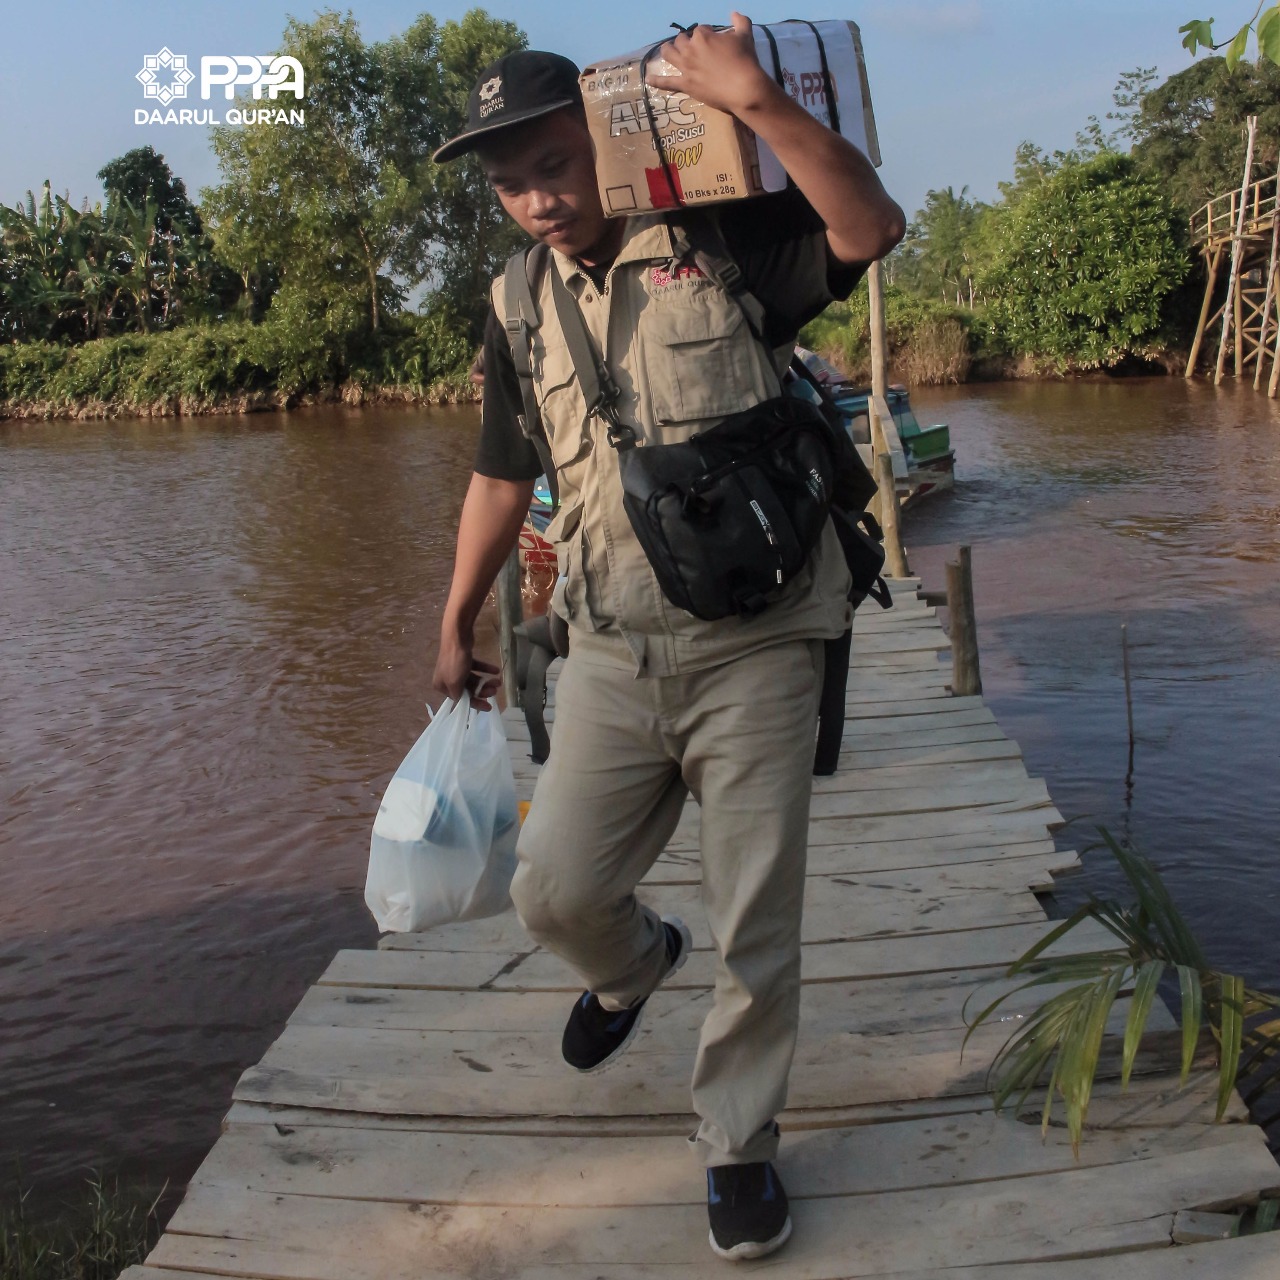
518,87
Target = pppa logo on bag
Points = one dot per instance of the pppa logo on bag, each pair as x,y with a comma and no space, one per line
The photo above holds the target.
166,77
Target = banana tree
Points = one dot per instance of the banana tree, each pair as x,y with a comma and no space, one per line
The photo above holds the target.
1064,1035
138,272
40,264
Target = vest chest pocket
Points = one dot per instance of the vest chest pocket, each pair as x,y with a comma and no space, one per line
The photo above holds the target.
556,387
697,360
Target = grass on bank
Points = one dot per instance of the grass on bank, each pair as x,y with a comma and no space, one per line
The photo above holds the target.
110,1228
237,366
929,343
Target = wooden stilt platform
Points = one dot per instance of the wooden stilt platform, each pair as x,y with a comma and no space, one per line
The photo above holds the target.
414,1121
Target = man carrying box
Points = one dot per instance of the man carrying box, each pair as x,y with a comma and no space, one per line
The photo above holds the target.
654,703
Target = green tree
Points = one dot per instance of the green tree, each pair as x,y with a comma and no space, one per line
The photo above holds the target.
141,176
1091,252
349,210
1187,133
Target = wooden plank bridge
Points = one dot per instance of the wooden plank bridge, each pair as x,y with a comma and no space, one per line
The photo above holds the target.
414,1120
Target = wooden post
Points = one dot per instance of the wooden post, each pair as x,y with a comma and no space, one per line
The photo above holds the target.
1214,264
510,615
1233,300
879,340
895,556
966,676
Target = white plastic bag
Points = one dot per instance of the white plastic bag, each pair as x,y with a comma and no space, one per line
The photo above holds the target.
444,841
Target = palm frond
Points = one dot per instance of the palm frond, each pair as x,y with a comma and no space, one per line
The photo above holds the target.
1061,1040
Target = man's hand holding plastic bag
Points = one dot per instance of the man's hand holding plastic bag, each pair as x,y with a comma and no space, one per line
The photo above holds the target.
444,840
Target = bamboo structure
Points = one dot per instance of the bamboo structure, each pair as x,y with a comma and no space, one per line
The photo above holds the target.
1233,308
1241,227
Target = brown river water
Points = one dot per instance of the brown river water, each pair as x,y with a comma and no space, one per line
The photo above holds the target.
216,637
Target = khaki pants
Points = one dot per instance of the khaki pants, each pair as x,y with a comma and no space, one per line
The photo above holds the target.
625,752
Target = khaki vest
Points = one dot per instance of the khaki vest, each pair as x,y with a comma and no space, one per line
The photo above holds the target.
683,357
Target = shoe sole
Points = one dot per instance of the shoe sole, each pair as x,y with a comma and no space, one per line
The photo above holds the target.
749,1249
686,946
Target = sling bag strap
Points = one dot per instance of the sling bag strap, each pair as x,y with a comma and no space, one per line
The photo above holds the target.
520,281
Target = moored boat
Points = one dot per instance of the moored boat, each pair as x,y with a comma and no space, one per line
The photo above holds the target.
931,461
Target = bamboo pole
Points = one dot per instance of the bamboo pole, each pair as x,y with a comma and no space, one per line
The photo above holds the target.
1214,264
510,615
1237,346
1274,384
1236,246
895,555
1271,281
966,675
879,339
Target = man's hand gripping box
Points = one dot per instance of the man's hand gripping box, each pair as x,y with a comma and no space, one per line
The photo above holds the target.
659,150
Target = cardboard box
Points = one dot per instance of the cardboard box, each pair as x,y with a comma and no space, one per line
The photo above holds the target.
659,150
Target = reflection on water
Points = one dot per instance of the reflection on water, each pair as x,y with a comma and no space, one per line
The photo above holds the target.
215,642
1153,503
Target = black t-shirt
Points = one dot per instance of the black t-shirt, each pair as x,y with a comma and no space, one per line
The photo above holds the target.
771,240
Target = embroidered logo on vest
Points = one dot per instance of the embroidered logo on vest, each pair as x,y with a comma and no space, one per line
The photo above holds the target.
660,277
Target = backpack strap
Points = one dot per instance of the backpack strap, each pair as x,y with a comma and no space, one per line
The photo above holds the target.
520,283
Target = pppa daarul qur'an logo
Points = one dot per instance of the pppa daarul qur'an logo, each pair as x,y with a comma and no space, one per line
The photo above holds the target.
490,97
165,77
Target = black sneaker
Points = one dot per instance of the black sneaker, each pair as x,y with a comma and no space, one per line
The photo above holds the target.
594,1036
748,1210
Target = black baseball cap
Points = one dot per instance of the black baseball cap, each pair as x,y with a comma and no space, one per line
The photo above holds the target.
518,87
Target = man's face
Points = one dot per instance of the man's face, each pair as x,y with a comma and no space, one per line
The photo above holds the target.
544,174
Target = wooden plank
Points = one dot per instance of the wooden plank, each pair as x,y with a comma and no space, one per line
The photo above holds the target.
533,970
487,1073
444,1168
863,902
837,907
974,775
1148,1102
676,866
1000,761
1007,824
1016,796
881,757
931,709
1016,867
875,718
880,1006
1057,1215
1190,1227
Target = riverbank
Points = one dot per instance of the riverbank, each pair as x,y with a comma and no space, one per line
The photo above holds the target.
289,362
237,367
931,344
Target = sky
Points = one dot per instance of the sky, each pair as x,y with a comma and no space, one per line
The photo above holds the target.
956,84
